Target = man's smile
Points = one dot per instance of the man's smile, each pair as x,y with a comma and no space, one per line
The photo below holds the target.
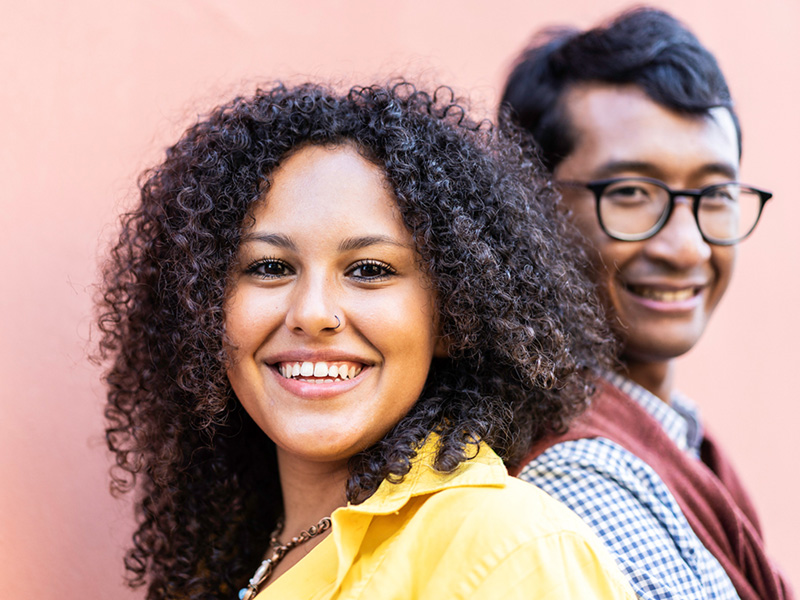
662,294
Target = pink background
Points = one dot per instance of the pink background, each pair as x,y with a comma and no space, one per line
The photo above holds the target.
92,91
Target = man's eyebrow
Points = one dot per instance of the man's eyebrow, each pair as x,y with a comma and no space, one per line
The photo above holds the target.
723,169
356,243
274,239
615,167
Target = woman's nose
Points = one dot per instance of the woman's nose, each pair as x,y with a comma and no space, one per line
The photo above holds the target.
313,307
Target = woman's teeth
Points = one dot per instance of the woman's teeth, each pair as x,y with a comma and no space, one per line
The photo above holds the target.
319,372
663,295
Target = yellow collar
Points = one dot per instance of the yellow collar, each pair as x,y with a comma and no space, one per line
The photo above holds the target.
335,555
485,469
350,522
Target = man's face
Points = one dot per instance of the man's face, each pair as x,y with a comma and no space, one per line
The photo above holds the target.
662,290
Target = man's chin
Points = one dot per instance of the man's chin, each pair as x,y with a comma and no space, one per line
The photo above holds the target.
652,337
657,349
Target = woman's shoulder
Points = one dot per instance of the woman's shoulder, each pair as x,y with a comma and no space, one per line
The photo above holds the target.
516,532
481,494
513,504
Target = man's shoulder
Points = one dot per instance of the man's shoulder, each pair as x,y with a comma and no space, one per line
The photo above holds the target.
631,509
592,463
635,420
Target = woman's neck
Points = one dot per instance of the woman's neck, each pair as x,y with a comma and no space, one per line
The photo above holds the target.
311,491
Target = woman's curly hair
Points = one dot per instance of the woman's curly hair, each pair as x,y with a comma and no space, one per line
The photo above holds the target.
521,321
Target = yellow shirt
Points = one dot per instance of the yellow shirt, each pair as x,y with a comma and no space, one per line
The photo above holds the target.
475,533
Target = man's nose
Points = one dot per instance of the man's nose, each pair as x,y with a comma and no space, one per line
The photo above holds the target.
680,242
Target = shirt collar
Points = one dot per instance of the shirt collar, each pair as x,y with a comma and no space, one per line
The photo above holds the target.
350,523
680,419
485,469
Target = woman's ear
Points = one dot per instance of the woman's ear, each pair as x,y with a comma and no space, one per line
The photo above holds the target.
442,347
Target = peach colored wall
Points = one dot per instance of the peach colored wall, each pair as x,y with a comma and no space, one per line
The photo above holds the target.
93,90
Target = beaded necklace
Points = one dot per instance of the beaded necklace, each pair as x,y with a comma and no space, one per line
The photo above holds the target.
275,554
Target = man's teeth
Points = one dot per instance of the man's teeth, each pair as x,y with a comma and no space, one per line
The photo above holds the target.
663,295
320,371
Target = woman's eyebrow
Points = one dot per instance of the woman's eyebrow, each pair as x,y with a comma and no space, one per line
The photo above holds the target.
356,243
274,239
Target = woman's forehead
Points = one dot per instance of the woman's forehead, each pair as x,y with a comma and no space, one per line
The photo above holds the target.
327,186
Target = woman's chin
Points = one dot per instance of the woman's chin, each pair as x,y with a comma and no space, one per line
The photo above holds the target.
320,446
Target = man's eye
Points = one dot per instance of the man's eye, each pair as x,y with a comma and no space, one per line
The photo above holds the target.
631,194
628,191
720,195
269,268
371,270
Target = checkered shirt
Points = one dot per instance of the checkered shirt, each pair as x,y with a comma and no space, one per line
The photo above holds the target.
630,508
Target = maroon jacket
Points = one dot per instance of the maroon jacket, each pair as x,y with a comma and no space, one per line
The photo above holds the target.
709,493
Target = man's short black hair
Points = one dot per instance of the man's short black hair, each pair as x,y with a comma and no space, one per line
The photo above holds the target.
643,46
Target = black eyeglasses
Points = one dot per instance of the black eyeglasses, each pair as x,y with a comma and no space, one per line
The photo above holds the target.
631,209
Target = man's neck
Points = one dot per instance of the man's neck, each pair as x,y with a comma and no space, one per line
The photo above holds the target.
656,377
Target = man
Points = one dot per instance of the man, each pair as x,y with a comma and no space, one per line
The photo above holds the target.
636,121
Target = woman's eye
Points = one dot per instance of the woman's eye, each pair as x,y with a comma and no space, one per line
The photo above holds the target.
269,268
370,270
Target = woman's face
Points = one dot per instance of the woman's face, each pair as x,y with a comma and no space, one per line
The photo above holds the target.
331,323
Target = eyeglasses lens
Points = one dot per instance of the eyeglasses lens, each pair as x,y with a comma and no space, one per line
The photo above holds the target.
632,208
728,212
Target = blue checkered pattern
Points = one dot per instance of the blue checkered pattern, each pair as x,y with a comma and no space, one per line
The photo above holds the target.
630,508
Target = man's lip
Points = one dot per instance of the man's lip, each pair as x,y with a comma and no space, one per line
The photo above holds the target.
667,286
673,296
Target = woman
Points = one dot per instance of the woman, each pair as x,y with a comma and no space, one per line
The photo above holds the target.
328,316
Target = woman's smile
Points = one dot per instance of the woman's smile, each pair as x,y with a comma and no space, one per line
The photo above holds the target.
318,379
319,372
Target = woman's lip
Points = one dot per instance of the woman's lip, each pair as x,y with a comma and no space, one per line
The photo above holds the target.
313,391
329,355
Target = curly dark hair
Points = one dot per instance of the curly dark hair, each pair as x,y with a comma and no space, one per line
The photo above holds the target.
642,46
522,323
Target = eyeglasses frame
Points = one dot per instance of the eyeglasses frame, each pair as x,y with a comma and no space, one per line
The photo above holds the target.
597,187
